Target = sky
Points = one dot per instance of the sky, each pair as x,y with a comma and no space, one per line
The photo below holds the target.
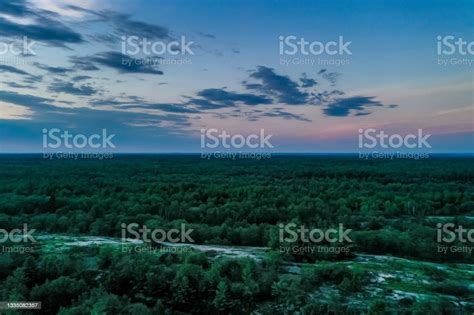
235,66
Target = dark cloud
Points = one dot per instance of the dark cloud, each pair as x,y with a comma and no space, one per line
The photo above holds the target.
206,104
124,63
15,8
89,118
80,78
285,115
70,88
29,101
287,91
345,106
109,39
229,98
84,10
11,69
117,61
124,25
136,102
27,77
45,28
307,82
32,79
325,97
276,88
81,63
106,102
255,115
282,87
53,70
331,77
252,86
19,86
163,120
170,108
207,35
220,98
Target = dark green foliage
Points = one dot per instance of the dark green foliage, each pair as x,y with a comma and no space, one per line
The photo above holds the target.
385,203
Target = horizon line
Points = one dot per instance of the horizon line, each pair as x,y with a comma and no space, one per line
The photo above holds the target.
231,152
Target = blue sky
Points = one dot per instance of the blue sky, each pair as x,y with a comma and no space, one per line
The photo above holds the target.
235,80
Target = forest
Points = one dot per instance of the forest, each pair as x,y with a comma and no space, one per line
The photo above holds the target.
393,208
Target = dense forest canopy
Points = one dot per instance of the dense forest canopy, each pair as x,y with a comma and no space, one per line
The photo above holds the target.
386,203
391,206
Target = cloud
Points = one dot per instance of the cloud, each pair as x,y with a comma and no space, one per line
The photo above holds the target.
326,97
170,108
28,78
80,78
31,79
282,87
108,102
81,63
223,96
89,118
117,61
45,27
136,102
29,101
285,115
220,98
19,86
345,106
206,104
6,68
15,8
124,63
307,82
252,86
54,70
207,35
69,88
331,77
123,24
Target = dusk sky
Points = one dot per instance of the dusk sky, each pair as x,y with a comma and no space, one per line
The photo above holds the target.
234,77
